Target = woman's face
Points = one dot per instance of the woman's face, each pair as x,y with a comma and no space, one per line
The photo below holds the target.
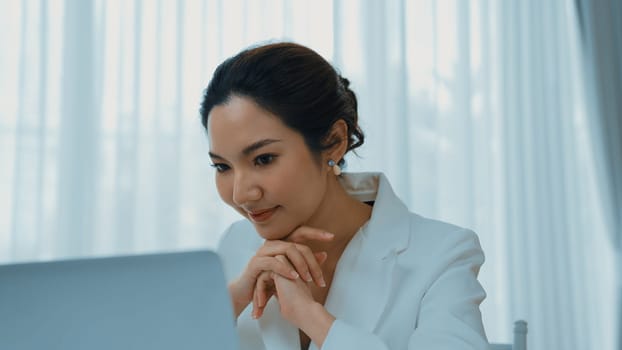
265,170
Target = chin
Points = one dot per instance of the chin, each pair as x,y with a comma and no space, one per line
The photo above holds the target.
268,234
273,232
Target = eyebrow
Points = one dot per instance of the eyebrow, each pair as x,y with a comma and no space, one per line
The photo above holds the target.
250,148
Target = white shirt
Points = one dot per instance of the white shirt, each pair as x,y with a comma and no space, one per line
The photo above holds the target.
403,282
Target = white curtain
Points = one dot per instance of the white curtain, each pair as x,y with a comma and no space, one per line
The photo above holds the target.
474,109
601,34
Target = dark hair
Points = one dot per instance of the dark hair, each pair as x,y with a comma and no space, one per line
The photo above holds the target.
292,82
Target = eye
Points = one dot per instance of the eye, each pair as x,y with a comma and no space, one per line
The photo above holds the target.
264,159
220,167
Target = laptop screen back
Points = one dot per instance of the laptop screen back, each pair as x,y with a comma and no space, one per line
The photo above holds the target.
159,301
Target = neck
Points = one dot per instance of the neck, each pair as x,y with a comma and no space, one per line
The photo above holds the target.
341,215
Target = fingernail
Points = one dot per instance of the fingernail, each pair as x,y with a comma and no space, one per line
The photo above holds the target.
322,282
328,234
295,274
254,315
309,278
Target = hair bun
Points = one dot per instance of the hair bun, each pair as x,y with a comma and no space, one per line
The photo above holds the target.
345,82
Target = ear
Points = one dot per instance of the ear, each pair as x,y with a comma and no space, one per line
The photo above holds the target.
339,136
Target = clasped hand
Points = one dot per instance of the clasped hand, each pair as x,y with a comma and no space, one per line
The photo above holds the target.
282,268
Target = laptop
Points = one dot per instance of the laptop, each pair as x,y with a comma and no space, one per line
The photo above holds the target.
152,302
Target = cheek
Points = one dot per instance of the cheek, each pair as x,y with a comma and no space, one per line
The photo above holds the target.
225,189
302,187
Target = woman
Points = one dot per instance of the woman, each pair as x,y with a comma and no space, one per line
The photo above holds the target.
326,259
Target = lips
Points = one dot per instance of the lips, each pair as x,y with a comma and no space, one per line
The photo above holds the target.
261,215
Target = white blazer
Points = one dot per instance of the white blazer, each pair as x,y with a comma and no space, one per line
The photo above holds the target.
403,282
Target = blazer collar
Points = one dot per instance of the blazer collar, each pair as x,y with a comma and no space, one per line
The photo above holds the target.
387,231
367,264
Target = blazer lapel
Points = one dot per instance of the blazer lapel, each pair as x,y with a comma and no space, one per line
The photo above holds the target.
366,273
360,290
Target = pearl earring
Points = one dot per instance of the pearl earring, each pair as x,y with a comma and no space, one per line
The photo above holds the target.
336,168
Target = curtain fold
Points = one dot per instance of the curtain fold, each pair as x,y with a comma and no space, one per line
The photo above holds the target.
78,136
475,110
601,34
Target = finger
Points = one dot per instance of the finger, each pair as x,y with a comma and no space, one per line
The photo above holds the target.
295,257
304,234
282,259
278,278
264,288
262,304
320,257
260,290
280,282
302,260
268,296
315,271
255,303
263,291
259,264
274,248
300,256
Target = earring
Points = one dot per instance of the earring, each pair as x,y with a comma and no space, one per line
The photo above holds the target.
336,168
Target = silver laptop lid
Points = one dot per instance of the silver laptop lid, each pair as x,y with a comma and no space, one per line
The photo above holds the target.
159,301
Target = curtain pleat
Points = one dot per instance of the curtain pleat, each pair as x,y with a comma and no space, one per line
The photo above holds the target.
600,28
18,159
79,135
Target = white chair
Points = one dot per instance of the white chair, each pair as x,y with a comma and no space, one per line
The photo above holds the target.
520,338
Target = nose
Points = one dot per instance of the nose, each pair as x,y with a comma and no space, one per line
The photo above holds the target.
245,189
